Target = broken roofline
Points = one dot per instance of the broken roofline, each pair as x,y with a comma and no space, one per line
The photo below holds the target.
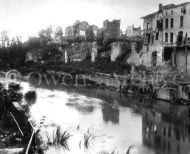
150,15
169,6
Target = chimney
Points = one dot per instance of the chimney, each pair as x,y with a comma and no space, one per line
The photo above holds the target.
160,6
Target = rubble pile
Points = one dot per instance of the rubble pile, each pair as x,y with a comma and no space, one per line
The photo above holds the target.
166,72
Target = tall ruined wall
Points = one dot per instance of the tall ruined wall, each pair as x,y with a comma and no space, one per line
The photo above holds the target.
135,58
147,56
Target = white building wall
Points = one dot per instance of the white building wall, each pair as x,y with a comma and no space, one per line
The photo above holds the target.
158,45
94,52
115,50
134,58
66,57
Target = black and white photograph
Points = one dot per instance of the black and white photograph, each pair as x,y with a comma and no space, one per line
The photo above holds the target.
94,77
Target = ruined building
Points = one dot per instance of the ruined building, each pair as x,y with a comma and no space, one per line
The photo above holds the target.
133,31
79,51
166,36
69,32
79,30
111,29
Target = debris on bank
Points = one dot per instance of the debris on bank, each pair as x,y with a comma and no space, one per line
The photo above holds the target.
15,129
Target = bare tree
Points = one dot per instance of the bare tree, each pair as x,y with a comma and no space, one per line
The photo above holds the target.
45,35
59,35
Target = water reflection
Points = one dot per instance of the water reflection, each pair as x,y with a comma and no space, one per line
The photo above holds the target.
168,132
116,121
87,109
80,110
110,113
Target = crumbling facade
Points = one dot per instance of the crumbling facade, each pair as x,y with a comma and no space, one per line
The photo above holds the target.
164,31
116,50
79,51
111,29
80,30
69,32
133,31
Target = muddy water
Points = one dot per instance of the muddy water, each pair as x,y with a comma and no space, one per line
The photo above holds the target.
111,122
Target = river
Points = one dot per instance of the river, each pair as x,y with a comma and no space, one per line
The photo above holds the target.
109,121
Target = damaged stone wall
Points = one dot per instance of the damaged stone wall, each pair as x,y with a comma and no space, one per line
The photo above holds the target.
79,51
115,50
94,51
134,59
182,62
147,56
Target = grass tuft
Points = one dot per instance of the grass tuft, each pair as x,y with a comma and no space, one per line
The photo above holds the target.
88,138
59,139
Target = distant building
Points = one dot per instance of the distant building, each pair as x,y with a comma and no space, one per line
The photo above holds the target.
111,29
133,31
166,31
69,32
77,30
95,30
81,30
89,34
100,33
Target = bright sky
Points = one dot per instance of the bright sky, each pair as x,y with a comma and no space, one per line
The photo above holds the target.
27,17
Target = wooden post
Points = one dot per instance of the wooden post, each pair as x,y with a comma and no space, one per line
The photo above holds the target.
17,124
30,142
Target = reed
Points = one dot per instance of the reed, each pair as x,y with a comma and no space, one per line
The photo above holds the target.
60,139
88,139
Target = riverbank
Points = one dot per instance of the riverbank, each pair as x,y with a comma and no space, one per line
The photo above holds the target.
159,82
15,129
106,114
88,105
